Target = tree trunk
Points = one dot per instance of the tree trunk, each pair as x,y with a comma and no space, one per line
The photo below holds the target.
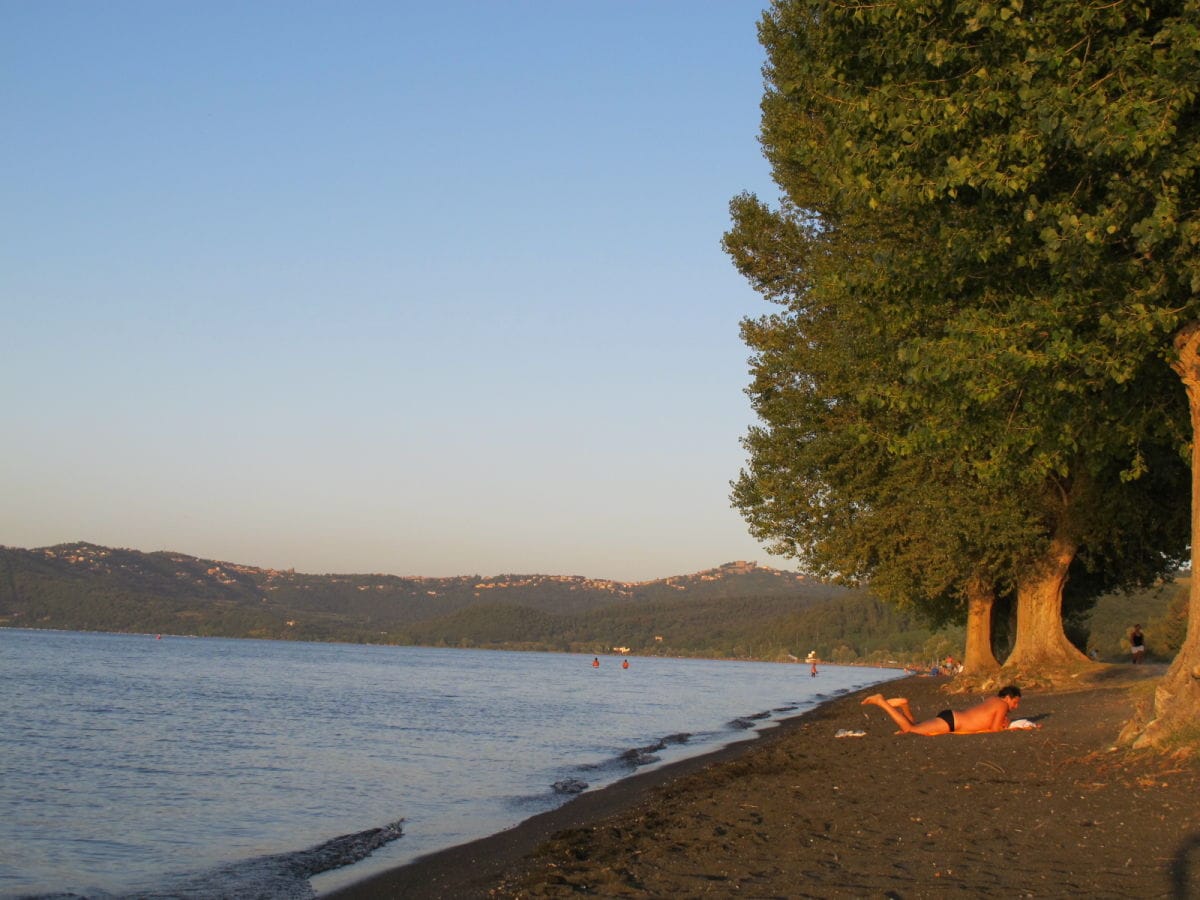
1177,698
981,597
1042,648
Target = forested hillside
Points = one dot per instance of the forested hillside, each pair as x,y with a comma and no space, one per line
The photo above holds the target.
84,586
739,610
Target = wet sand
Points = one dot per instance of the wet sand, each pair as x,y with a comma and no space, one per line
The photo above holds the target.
801,813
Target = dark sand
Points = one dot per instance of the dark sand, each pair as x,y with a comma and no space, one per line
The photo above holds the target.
1057,812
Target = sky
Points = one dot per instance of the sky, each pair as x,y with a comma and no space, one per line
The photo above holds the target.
378,287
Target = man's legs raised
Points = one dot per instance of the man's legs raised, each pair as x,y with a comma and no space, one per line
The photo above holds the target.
890,707
901,703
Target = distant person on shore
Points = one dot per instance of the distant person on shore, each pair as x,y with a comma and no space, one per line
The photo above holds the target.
1137,644
990,715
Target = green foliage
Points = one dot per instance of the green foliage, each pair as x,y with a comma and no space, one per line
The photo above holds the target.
986,238
851,627
493,625
1160,610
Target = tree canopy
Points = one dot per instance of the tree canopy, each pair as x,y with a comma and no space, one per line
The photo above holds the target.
985,244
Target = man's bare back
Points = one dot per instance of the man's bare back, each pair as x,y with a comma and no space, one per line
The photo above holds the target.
990,715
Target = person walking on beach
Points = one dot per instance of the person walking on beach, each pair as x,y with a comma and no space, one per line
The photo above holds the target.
1137,644
990,715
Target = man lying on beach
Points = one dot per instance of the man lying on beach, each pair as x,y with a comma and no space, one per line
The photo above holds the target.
990,715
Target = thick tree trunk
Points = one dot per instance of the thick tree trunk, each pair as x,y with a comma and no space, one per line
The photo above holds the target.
979,659
1042,648
1177,699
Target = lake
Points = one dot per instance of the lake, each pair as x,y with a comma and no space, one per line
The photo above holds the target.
201,767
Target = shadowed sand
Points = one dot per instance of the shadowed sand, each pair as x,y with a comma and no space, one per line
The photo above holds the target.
1050,812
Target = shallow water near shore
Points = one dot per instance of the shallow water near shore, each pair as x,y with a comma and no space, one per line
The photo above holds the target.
209,768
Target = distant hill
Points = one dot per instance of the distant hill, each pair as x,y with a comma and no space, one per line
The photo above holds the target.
89,587
739,609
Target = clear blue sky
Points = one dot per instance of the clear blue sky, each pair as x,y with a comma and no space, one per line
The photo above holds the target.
420,288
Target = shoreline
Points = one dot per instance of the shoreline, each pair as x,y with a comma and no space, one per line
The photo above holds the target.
466,870
799,812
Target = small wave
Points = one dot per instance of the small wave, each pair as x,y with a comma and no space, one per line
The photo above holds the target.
280,876
747,722
638,756
570,786
642,756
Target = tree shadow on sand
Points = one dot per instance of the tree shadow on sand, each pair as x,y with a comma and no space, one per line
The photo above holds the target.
1123,673
1185,869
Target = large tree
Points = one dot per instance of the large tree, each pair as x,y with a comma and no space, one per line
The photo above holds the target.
1177,698
996,200
823,484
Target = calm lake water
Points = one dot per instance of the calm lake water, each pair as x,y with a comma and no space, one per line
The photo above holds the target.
192,767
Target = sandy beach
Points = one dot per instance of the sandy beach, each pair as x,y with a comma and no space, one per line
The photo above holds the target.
1053,812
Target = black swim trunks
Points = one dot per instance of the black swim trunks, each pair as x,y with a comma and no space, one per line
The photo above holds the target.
947,715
